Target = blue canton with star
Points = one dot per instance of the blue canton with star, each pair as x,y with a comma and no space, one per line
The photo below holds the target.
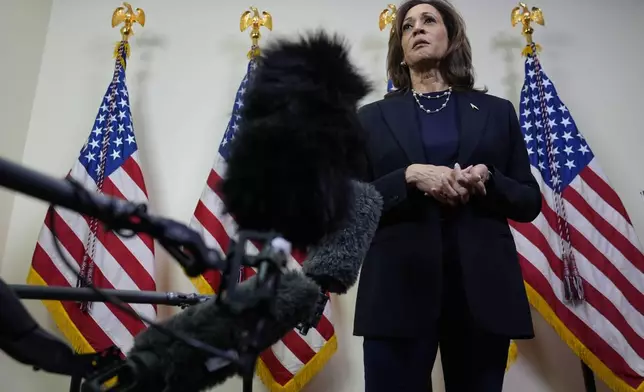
113,130
570,153
233,123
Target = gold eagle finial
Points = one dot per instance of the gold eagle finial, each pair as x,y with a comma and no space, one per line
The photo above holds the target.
387,16
523,15
253,20
128,17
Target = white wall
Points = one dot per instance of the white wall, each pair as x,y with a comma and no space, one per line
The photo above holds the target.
23,29
187,63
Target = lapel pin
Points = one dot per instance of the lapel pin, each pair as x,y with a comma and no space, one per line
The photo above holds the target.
474,106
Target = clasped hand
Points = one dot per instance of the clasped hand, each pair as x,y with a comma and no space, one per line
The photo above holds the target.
447,185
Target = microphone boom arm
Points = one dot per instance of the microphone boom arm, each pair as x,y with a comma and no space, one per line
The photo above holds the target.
77,294
183,243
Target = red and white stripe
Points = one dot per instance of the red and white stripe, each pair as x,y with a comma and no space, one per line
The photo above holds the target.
288,356
608,253
120,263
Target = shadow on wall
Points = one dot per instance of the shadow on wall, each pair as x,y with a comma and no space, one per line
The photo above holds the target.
146,47
510,46
373,50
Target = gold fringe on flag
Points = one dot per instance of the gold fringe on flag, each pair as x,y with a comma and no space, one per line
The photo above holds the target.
58,313
602,371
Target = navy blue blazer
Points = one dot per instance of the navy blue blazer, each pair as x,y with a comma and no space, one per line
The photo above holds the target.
399,292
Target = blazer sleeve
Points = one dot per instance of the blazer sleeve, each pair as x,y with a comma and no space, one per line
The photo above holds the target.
514,194
392,186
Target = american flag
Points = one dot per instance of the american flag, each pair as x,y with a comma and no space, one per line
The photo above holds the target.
583,230
107,163
289,364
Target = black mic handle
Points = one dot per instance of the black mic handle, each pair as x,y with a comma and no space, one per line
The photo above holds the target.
122,376
316,315
186,246
269,263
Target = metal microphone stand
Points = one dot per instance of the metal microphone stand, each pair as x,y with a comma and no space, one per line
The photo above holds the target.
24,291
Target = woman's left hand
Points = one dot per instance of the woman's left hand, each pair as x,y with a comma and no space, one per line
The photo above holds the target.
455,186
460,184
474,178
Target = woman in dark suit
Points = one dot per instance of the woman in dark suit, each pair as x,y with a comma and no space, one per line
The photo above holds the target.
452,167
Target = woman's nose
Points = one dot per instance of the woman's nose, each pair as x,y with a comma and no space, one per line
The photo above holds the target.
418,28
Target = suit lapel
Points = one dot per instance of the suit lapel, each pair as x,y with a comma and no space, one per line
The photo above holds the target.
472,115
401,117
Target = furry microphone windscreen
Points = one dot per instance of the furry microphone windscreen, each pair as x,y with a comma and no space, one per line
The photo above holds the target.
335,262
299,141
165,364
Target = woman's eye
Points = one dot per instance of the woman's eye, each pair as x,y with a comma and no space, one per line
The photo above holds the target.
430,20
406,26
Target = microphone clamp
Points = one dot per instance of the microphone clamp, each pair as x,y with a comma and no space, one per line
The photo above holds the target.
316,315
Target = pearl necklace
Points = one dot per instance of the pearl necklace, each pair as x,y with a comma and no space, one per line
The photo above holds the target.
447,94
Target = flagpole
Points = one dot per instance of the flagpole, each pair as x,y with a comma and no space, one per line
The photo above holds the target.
252,19
125,15
522,14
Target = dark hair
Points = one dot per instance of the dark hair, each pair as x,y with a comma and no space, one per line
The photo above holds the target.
456,67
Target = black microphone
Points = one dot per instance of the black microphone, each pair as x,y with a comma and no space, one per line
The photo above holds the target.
159,363
299,141
335,262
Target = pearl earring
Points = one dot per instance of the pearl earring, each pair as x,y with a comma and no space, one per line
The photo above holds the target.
403,63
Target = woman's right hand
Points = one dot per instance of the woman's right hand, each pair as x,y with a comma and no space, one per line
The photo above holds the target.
438,182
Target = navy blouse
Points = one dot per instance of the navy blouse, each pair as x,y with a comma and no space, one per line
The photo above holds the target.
439,130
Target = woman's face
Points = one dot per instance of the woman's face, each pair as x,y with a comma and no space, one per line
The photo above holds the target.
424,36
